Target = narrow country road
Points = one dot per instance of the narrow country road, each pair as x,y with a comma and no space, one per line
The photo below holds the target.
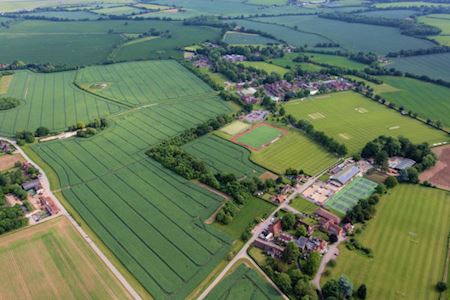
48,193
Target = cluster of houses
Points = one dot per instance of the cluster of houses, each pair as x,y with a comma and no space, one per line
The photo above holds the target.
273,239
6,147
234,58
284,193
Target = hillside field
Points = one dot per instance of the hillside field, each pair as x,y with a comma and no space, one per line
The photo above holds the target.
145,214
51,260
224,156
241,38
244,283
294,151
354,120
408,237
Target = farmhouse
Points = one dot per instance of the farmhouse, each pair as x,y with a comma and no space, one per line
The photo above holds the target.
48,204
325,216
269,247
32,185
311,245
345,175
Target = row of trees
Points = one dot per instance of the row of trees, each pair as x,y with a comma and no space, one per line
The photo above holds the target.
8,103
422,51
320,137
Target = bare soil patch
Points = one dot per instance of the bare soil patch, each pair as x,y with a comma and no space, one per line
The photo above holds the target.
7,161
439,175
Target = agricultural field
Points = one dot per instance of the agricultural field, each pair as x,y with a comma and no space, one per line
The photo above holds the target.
267,2
294,151
51,260
21,5
254,208
391,14
345,199
426,99
140,83
436,66
241,38
354,120
94,42
335,60
408,237
143,212
244,283
118,11
352,36
409,4
258,136
288,35
50,100
442,23
269,68
442,39
65,15
223,156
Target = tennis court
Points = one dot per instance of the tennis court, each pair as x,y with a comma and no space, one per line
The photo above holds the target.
345,199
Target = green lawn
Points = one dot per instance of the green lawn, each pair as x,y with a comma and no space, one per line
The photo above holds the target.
294,151
259,136
224,156
304,205
218,78
408,237
243,283
345,199
354,120
335,60
287,62
254,208
269,68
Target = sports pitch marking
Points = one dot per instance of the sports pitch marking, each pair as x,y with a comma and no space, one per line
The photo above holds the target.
361,110
316,116
394,127
345,136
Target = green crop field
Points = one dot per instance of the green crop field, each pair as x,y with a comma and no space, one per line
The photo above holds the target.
20,5
409,4
51,260
269,68
442,39
352,36
345,199
138,83
354,120
335,60
259,136
224,156
145,214
441,23
254,208
243,283
426,99
294,151
240,38
94,42
118,10
391,14
408,237
291,36
50,100
303,205
435,66
67,15
267,2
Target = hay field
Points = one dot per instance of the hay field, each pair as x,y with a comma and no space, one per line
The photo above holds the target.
345,199
408,237
294,151
426,99
244,283
144,213
51,260
224,156
50,100
355,120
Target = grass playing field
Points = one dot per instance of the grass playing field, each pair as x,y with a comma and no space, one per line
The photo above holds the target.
426,99
224,156
234,128
243,283
345,199
241,38
294,151
269,68
50,261
408,237
303,205
258,136
144,213
354,120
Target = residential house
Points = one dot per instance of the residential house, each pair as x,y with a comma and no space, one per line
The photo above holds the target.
279,198
32,185
276,228
269,247
311,245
